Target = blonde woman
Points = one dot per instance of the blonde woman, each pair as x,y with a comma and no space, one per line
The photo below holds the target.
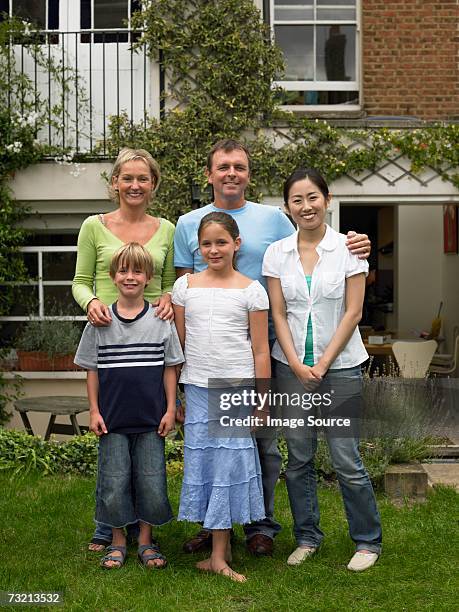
134,179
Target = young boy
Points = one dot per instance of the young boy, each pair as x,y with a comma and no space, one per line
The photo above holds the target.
131,390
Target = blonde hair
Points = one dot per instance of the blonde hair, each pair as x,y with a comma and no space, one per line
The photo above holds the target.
132,255
126,155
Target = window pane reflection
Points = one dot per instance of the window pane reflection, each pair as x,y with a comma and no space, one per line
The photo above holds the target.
347,3
334,14
288,10
59,301
32,10
110,14
24,300
336,53
297,43
59,266
310,98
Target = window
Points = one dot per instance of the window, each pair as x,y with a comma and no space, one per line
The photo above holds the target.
43,13
107,15
48,294
319,39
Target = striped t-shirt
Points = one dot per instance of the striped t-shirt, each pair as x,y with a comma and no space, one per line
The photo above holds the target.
129,356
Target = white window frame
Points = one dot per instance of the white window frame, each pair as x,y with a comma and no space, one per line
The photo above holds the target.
127,27
40,250
355,85
11,14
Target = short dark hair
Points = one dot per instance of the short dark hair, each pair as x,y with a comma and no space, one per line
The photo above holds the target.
223,219
227,145
301,174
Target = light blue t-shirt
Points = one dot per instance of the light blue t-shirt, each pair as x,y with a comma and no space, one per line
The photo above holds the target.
259,225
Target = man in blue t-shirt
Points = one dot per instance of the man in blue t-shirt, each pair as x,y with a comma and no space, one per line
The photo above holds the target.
228,171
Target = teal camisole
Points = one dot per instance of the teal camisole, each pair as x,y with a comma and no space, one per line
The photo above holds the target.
309,347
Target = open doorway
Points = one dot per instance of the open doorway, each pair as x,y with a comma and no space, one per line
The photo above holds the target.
379,223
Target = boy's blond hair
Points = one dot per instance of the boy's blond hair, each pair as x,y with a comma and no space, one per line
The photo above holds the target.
132,255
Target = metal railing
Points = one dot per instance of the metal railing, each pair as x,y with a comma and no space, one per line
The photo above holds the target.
103,76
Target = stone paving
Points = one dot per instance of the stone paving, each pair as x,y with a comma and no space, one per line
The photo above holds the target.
442,474
445,472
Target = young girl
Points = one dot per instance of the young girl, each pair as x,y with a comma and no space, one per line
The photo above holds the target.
316,289
222,321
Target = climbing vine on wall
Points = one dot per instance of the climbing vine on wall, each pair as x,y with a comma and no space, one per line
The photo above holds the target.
23,112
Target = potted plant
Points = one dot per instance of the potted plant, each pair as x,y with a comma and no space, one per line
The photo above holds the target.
48,345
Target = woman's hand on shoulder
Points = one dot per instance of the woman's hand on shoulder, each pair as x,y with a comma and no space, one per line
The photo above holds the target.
98,313
164,308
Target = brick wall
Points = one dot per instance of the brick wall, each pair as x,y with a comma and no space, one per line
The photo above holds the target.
410,54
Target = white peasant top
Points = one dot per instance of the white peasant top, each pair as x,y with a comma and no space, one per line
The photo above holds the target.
217,341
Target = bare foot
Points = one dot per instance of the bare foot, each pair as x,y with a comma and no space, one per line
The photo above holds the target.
208,565
96,547
230,573
205,565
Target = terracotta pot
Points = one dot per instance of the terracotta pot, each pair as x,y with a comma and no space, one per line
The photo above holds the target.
35,361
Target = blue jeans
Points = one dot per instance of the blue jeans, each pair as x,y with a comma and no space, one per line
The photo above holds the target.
358,496
270,462
131,480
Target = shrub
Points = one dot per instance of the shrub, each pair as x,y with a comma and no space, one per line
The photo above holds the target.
20,452
50,337
377,454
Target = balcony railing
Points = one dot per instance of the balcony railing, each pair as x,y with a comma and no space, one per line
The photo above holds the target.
104,76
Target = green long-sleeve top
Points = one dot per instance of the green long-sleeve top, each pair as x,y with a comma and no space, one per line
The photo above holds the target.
96,245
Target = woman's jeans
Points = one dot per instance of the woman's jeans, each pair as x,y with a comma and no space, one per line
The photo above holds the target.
357,491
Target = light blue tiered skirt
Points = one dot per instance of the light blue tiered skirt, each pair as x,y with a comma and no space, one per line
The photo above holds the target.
222,477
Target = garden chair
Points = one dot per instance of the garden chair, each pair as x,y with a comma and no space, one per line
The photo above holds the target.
413,358
446,359
449,368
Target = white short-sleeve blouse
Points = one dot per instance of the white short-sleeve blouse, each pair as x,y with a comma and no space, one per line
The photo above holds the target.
217,341
326,300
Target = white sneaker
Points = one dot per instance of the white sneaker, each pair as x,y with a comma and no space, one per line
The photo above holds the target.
362,561
300,554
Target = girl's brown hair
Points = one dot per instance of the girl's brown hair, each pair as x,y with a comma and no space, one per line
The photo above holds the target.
226,221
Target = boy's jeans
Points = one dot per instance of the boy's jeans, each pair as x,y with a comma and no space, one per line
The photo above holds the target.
131,480
358,496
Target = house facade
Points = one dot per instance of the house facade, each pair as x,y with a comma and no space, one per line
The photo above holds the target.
355,63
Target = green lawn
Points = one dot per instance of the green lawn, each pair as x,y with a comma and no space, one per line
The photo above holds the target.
47,521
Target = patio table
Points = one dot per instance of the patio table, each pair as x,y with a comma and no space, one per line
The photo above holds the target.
379,350
55,406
